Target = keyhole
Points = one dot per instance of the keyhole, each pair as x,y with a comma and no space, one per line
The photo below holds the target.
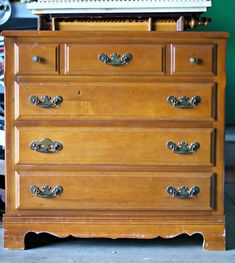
79,93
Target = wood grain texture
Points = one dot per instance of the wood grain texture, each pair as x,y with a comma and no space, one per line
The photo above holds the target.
115,191
47,54
116,101
83,59
180,59
191,36
114,124
115,146
213,231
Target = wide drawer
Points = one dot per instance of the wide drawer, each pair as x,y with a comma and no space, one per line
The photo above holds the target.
114,59
193,59
116,101
115,146
115,191
36,59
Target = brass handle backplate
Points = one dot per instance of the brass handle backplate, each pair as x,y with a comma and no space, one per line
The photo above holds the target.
46,146
183,192
115,59
194,60
46,191
46,101
184,102
183,147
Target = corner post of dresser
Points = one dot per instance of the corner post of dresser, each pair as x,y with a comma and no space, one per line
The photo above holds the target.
14,240
215,240
14,233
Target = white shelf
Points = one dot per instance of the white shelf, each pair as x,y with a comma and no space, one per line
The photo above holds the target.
118,6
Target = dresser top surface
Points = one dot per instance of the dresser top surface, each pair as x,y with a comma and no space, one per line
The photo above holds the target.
110,34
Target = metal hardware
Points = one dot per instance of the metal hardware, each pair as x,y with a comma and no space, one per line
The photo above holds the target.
184,102
115,59
194,60
193,22
46,101
46,146
46,191
183,192
36,59
183,147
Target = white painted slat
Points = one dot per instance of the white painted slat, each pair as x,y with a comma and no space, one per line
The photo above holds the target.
118,6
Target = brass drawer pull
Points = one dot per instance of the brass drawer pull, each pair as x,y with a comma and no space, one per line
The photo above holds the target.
36,59
183,192
115,59
184,102
183,147
46,191
46,146
194,60
46,101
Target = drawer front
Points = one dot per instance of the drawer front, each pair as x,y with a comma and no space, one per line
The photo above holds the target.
36,59
108,101
192,59
114,146
97,59
114,191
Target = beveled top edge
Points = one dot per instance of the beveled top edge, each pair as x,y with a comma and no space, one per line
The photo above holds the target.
110,34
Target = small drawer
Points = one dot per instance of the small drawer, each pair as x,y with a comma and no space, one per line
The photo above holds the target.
124,146
115,191
193,59
113,59
116,101
36,59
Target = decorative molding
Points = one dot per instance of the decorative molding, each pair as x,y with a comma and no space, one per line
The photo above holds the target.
165,227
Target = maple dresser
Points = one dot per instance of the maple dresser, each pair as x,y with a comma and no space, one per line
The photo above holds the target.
115,134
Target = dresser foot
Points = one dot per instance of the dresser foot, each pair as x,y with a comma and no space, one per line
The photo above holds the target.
14,235
14,241
214,241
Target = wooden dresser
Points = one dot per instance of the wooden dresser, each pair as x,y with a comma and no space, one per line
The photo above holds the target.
115,134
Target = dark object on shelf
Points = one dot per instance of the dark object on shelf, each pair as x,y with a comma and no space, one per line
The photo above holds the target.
1,112
1,152
2,208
